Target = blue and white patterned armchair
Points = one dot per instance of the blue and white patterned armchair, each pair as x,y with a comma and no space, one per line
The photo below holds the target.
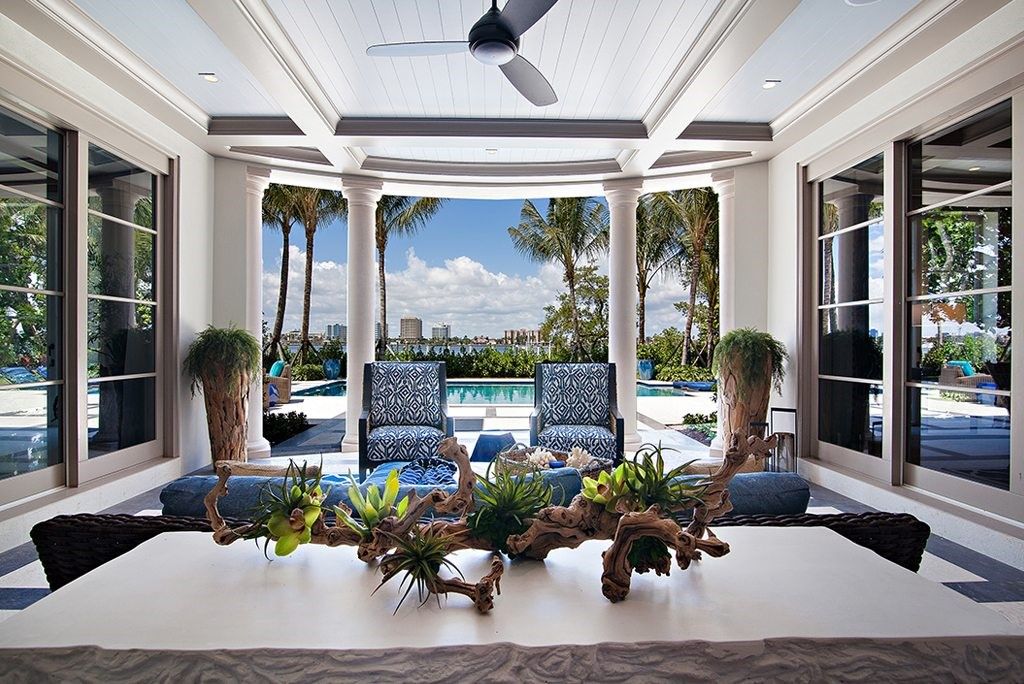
575,405
405,412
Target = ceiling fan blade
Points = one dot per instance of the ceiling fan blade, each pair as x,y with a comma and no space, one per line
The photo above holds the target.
520,15
528,80
418,49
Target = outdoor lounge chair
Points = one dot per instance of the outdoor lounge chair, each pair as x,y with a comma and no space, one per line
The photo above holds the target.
953,375
280,376
575,405
405,412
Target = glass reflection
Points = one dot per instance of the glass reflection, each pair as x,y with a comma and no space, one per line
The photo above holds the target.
121,413
29,429
120,189
853,196
30,239
30,157
851,341
121,340
961,434
953,249
30,337
122,260
972,155
850,415
853,265
960,341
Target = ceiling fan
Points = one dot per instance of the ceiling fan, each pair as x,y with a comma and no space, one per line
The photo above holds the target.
493,40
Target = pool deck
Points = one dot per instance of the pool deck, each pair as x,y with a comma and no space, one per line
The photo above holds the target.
655,416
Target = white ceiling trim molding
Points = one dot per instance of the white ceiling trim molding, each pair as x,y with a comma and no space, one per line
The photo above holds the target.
495,170
734,33
904,30
78,23
695,157
565,129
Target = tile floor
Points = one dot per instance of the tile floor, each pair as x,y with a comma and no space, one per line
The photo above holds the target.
994,584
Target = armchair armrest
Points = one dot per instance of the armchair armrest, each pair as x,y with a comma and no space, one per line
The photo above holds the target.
364,431
449,426
535,426
619,430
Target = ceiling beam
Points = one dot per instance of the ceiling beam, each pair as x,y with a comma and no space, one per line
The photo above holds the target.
692,157
253,125
569,129
497,170
249,30
726,130
732,36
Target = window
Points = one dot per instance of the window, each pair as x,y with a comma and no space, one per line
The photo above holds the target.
122,306
958,299
31,297
851,297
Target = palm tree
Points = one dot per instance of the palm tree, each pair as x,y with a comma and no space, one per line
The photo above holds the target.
572,228
279,213
313,207
659,224
700,213
397,216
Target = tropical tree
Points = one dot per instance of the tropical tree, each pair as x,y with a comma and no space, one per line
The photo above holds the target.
314,206
397,216
700,213
572,228
279,213
578,327
659,226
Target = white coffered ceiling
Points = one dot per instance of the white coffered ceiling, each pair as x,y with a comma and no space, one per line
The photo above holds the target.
644,86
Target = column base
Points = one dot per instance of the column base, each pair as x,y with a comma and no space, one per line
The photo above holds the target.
259,448
717,448
632,441
350,440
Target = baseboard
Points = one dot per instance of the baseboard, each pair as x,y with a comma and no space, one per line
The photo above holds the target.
992,535
16,521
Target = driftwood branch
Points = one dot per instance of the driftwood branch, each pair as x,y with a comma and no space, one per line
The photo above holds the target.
715,500
482,592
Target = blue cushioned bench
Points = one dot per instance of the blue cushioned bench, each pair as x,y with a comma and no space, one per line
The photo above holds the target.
751,493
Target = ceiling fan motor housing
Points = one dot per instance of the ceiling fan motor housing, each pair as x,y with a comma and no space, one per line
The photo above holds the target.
490,42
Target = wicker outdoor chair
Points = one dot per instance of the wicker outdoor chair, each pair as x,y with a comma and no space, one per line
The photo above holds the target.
897,537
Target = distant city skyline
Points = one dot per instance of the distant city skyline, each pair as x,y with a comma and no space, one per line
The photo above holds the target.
461,269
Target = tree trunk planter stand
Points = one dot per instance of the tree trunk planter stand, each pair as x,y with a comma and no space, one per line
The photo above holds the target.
554,527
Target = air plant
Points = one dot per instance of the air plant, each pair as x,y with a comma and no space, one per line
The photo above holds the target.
374,506
287,515
505,506
420,555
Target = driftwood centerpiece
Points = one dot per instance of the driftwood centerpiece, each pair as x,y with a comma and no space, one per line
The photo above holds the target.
635,507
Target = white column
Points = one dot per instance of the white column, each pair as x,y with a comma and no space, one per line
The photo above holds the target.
724,186
362,195
256,182
622,198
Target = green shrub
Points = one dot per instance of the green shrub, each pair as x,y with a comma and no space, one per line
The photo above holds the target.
685,373
700,418
309,371
277,427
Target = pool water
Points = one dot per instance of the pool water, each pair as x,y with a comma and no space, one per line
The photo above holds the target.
485,392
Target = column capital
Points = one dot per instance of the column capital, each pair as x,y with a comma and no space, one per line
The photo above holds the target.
257,179
623,190
724,183
361,189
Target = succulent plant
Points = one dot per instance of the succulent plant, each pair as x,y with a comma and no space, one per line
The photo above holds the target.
287,516
505,506
420,555
607,489
374,506
642,482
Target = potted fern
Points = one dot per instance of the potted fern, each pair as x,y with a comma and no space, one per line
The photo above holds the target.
749,364
223,363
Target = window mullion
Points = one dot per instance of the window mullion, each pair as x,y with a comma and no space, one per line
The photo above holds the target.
1017,299
76,305
894,345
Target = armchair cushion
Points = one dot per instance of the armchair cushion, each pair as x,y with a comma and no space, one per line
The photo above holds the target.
406,394
575,394
599,441
277,369
402,442
965,366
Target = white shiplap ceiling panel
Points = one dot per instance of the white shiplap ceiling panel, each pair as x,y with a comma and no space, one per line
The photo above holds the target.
606,60
500,156
815,40
174,40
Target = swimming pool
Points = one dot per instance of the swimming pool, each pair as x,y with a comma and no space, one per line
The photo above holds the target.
485,392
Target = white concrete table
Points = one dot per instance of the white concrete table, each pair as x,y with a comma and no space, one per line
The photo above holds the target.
785,602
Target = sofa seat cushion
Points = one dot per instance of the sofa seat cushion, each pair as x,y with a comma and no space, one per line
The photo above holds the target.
428,471
402,442
599,441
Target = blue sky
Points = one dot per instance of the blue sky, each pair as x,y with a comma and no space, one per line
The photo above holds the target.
460,269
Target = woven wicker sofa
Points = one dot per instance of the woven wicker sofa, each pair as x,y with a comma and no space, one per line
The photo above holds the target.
71,545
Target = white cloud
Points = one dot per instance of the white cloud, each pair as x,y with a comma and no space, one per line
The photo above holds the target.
461,292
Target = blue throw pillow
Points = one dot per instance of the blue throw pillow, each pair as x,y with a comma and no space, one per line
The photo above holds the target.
489,445
276,369
964,366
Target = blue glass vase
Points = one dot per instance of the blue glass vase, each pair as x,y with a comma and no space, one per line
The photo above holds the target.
332,369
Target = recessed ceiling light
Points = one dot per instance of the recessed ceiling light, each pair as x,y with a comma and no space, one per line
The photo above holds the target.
770,83
491,150
209,76
860,3
974,168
